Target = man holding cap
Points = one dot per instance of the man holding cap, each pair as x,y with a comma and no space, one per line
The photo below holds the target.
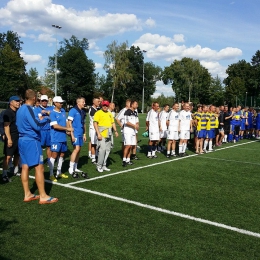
103,124
58,137
11,137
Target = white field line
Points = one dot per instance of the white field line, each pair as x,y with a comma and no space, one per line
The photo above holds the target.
226,160
151,165
165,211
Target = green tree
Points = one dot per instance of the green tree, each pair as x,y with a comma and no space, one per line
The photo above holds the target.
216,92
190,80
12,66
12,73
33,79
240,80
163,100
117,65
76,72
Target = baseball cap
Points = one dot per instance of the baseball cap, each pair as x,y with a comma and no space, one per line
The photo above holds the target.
58,99
16,98
105,103
44,97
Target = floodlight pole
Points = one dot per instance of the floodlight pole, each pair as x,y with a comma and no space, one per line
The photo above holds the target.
56,54
144,51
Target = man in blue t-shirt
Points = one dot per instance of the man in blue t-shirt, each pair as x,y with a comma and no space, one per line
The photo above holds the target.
58,137
29,128
76,120
44,111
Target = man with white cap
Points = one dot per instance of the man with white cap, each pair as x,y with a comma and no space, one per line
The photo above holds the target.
58,137
44,111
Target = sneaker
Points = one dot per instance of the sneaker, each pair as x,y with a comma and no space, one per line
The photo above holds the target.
210,150
173,155
124,164
149,156
77,170
63,176
135,158
106,169
130,163
94,162
6,179
99,169
205,150
155,156
84,175
168,156
181,154
52,178
75,175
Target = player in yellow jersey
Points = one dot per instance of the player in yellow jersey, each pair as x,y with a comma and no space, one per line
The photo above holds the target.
197,125
202,119
210,129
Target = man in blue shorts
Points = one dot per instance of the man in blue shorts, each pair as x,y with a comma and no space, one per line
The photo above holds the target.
58,137
44,110
29,128
76,120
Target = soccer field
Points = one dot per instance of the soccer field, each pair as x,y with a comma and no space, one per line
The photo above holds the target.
195,207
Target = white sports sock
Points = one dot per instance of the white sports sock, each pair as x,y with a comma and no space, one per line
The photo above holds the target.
60,162
153,153
184,147
205,144
168,152
210,145
71,169
149,154
173,152
180,148
127,159
16,169
51,165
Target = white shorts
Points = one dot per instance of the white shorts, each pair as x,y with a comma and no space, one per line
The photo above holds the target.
163,133
154,136
185,135
93,136
173,135
129,139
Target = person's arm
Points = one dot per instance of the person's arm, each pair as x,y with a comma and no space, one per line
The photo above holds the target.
36,124
8,134
114,128
99,136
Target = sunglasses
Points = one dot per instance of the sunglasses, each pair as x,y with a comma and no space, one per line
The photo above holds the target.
44,100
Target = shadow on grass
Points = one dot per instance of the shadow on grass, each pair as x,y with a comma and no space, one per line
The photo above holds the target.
5,226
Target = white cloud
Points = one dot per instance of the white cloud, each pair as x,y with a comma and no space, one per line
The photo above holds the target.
150,22
161,88
162,47
99,53
32,15
178,38
31,58
215,68
98,66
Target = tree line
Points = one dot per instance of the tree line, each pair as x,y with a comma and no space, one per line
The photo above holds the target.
127,75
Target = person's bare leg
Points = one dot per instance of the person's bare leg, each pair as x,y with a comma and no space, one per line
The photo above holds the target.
25,181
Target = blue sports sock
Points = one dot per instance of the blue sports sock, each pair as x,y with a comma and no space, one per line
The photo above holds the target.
230,137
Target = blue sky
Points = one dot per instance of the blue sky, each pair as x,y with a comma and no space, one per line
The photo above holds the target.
218,33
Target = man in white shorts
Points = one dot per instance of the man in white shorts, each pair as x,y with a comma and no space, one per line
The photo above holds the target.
92,133
173,123
163,116
131,124
120,120
153,126
185,128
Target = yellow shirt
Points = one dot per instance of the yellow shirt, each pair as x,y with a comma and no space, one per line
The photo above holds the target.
104,119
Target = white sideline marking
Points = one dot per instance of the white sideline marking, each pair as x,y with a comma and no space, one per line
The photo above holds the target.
226,160
169,212
154,164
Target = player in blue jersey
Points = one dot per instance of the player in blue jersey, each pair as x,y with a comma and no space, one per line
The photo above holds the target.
44,110
76,120
29,128
58,137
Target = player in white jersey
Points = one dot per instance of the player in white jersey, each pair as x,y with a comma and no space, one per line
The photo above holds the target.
185,128
131,125
120,120
173,123
153,125
163,117
92,133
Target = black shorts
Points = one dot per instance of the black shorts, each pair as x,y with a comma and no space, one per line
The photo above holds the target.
10,151
227,129
216,131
